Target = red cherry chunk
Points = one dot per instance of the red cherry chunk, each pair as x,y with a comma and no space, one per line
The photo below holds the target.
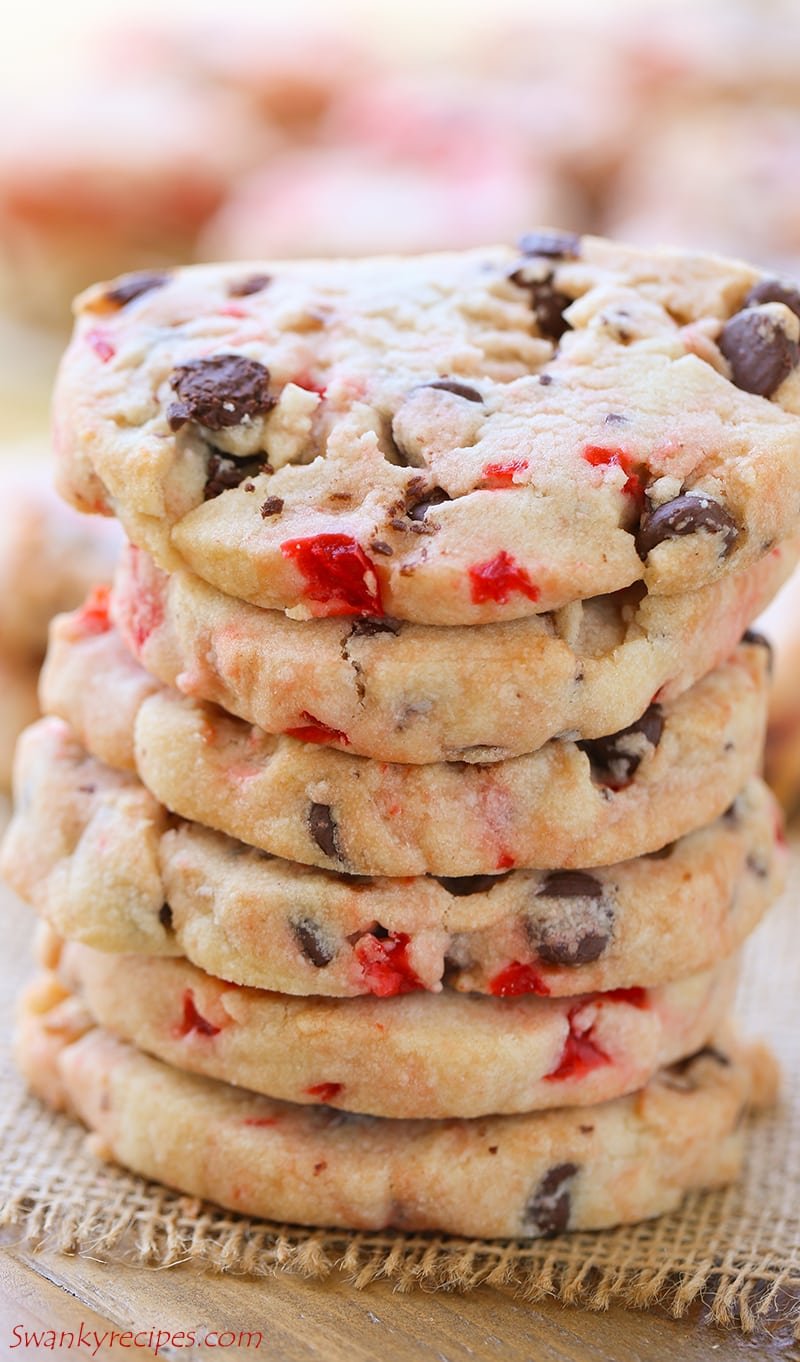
93,617
194,1021
600,457
260,1121
101,345
385,966
315,731
517,979
581,1052
496,579
325,1091
338,574
502,474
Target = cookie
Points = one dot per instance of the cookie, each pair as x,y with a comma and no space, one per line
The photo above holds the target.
104,864
503,1176
452,439
407,693
781,625
111,174
431,1055
49,558
568,805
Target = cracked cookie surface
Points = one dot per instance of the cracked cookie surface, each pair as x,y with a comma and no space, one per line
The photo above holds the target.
448,439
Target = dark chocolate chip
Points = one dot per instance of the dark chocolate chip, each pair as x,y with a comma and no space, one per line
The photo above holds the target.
419,509
760,641
548,1209
380,546
613,418
545,380
775,291
368,628
571,884
322,827
272,506
254,283
579,929
132,286
463,885
688,513
663,853
224,473
759,350
219,392
165,916
451,385
313,942
616,759
682,1066
548,303
757,866
552,245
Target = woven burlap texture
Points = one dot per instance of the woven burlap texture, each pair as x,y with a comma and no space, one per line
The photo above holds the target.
738,1249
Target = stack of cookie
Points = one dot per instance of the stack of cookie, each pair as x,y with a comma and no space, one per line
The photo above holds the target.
397,819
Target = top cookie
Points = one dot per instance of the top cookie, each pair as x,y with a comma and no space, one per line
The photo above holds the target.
447,439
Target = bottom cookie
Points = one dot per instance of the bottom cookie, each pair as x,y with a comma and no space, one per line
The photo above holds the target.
496,1177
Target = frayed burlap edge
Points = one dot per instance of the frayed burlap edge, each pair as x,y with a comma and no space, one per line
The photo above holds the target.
146,1225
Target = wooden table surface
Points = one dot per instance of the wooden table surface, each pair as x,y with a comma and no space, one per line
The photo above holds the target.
328,1321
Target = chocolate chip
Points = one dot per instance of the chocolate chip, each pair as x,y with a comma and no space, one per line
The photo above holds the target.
613,418
419,509
368,628
553,245
576,929
380,546
272,506
548,1210
759,350
254,283
760,641
548,303
463,885
689,513
775,291
682,1066
545,380
224,473
616,759
663,853
323,829
571,884
132,286
219,392
165,916
451,385
313,942
757,866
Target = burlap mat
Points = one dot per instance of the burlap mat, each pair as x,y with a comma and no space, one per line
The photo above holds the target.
738,1249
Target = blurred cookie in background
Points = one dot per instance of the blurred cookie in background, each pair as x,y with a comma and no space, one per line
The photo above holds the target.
721,178
402,165
781,625
50,557
567,79
101,178
711,49
288,72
